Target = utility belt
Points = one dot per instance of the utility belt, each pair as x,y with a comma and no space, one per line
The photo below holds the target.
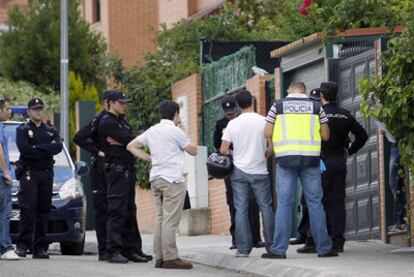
24,170
335,153
118,167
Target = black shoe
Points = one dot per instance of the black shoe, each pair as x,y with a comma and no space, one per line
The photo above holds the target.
331,253
233,247
339,249
307,250
102,256
134,257
40,254
271,255
259,244
142,254
298,240
117,259
21,252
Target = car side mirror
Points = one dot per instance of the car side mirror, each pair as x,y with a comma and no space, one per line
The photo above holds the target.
81,168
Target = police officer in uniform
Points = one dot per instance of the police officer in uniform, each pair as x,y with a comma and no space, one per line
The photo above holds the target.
123,238
334,153
88,139
229,106
37,143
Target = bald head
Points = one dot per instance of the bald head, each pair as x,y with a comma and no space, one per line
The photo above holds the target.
297,87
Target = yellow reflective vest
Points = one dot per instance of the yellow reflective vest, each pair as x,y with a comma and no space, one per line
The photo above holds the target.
296,133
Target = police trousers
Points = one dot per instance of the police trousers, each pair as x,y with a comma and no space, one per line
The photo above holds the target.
35,201
122,231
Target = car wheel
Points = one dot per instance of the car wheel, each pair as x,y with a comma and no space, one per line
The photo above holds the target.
72,248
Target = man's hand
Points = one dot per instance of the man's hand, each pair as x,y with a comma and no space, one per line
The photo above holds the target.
101,154
7,179
111,141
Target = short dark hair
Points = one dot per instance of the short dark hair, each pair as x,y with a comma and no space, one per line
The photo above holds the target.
167,109
244,99
329,96
298,85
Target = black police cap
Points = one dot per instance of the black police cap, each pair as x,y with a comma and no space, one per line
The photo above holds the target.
228,103
315,94
35,103
116,95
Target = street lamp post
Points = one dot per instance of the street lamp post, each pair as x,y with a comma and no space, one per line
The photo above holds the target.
64,67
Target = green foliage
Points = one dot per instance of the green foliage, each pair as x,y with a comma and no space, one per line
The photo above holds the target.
390,97
30,49
21,92
78,91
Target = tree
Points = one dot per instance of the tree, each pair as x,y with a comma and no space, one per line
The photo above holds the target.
79,91
390,97
30,49
21,92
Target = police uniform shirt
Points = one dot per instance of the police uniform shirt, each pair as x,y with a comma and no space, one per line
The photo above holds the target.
341,122
221,124
38,145
88,137
271,116
118,129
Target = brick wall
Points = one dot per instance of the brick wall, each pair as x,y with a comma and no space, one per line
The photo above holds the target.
130,24
145,210
190,87
5,4
172,11
220,216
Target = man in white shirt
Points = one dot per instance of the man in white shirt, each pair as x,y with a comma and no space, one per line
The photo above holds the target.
250,151
167,142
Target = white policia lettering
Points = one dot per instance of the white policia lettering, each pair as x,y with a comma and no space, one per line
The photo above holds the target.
337,115
297,107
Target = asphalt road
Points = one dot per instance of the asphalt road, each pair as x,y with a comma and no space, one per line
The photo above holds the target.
88,266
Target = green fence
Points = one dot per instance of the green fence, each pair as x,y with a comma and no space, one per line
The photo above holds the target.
226,75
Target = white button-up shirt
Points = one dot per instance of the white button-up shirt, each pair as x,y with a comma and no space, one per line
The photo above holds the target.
166,142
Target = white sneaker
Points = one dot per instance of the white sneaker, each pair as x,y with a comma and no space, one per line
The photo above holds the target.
10,256
241,255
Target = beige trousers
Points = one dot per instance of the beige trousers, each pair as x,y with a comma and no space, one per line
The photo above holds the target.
169,202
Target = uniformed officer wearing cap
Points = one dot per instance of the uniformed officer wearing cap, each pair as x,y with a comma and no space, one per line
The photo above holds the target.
37,143
88,138
334,153
229,106
123,238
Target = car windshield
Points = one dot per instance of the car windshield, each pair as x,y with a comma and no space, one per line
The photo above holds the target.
61,159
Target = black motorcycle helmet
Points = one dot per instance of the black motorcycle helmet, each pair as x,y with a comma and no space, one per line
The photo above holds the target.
219,166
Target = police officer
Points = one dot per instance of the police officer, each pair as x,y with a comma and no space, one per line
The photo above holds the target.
229,106
334,153
37,143
123,238
88,139
296,125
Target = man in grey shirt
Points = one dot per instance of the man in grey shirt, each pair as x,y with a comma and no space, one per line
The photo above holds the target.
167,142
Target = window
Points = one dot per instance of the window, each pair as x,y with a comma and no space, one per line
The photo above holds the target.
96,10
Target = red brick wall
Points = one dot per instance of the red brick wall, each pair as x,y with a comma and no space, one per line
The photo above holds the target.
5,4
145,210
191,87
220,216
132,27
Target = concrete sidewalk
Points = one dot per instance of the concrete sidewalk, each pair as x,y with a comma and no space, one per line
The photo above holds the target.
361,258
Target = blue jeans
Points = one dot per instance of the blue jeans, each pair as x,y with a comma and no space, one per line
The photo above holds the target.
286,183
260,185
5,212
396,184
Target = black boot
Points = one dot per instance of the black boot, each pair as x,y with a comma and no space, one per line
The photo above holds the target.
300,239
117,259
142,254
40,254
21,251
134,257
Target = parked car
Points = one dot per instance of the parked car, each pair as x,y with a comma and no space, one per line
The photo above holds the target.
67,219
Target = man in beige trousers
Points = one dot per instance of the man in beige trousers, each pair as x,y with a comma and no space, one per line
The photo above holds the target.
167,142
